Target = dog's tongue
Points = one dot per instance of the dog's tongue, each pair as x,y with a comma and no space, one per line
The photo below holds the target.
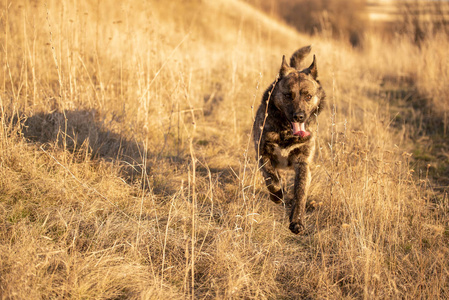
300,129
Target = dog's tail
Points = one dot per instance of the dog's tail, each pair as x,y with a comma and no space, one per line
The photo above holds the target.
298,56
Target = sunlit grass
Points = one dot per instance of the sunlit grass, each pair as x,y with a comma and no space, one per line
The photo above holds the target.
127,168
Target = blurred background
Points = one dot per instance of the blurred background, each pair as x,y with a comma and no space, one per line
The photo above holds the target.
352,20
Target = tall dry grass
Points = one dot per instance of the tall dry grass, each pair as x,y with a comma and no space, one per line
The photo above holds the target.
127,169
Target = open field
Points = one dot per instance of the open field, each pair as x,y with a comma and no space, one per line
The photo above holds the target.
127,170
390,10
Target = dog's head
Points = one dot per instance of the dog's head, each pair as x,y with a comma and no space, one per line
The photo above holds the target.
298,94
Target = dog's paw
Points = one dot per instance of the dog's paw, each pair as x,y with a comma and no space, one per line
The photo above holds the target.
296,227
277,196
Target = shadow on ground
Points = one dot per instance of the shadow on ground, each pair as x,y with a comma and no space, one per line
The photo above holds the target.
426,126
81,130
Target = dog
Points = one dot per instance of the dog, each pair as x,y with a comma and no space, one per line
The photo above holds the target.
283,131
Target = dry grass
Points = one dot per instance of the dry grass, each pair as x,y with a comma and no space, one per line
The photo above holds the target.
127,169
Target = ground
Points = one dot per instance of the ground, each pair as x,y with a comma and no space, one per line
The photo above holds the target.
127,168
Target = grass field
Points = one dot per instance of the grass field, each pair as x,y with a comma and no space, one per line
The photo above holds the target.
127,170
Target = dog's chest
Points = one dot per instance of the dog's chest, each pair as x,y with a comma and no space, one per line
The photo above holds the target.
286,156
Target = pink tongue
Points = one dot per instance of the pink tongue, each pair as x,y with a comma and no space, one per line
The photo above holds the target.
300,129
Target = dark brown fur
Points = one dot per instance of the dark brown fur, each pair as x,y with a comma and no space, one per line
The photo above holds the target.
295,91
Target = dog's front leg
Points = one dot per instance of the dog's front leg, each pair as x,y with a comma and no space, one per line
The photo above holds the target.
271,179
302,182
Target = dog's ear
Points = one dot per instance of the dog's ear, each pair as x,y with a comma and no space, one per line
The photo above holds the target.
298,57
313,69
285,68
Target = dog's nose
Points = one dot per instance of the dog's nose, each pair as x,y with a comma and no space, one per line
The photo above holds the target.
299,117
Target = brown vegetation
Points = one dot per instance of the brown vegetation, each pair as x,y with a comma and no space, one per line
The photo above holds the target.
421,20
332,18
127,169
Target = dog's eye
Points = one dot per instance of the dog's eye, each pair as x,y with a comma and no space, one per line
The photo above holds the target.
289,96
307,97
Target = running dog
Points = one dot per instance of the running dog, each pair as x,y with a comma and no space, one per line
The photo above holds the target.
283,133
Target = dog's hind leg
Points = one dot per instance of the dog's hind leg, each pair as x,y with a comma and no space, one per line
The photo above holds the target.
271,180
302,183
